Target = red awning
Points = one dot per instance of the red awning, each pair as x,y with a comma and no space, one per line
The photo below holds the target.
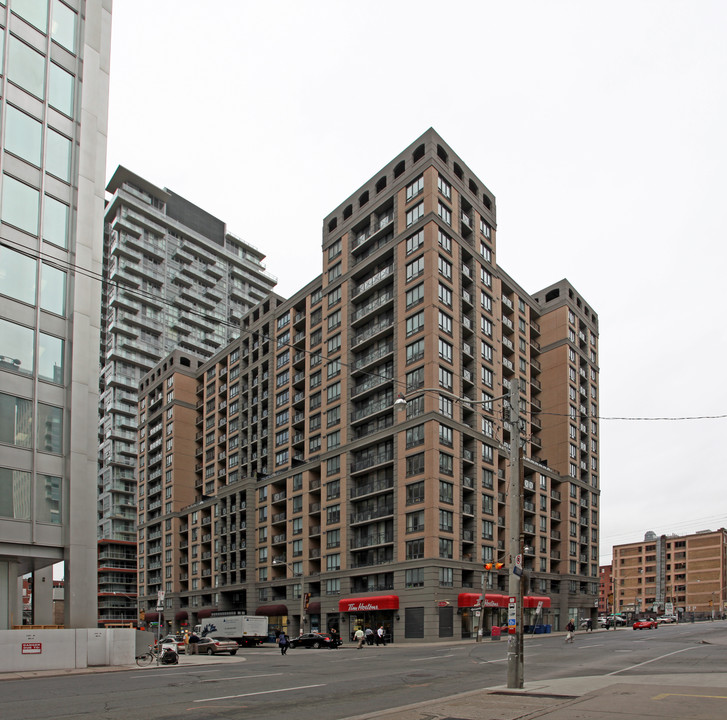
531,601
205,613
314,608
468,600
151,616
363,604
272,610
181,615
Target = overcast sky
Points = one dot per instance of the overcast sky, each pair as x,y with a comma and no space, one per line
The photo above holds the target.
599,127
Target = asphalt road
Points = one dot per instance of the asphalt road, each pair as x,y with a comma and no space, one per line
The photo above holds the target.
260,684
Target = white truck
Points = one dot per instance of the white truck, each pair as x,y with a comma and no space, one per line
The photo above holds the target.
248,630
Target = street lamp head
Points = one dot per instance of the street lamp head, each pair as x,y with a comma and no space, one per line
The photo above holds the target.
400,402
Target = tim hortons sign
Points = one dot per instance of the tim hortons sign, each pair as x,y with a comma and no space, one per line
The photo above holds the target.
361,606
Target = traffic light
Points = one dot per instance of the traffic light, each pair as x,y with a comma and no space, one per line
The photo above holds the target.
493,566
307,600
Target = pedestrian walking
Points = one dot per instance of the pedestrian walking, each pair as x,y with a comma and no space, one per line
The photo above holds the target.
369,633
359,636
381,636
571,629
193,641
589,625
283,643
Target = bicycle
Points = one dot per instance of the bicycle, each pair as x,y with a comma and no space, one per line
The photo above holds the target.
148,657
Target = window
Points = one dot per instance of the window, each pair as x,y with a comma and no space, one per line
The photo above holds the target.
333,586
445,379
445,406
333,490
445,242
415,521
445,322
445,267
333,465
446,464
333,562
415,268
445,350
414,407
333,440
445,435
444,187
20,205
485,252
334,272
55,222
445,213
486,301
486,326
445,295
333,514
414,242
414,578
414,296
487,376
415,188
333,392
487,529
414,214
415,493
486,277
334,320
415,436
17,273
315,379
61,90
415,351
333,416
415,323
415,549
50,428
334,345
23,135
415,464
26,67
486,351
58,155
415,379
18,347
445,551
333,538
446,495
335,249
487,504
446,519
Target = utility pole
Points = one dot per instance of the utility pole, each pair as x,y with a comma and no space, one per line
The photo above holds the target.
515,522
481,626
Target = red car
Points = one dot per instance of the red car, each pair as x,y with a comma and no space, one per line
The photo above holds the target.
646,625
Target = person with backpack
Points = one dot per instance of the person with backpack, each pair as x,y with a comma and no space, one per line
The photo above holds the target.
571,629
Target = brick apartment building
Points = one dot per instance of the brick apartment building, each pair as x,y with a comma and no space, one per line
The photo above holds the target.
686,573
351,453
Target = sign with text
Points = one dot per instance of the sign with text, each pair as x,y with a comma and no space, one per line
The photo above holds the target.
32,648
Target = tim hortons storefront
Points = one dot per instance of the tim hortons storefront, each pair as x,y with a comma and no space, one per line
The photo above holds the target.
495,611
374,611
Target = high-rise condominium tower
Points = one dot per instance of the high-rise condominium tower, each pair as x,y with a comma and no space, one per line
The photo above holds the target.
174,277
352,448
54,59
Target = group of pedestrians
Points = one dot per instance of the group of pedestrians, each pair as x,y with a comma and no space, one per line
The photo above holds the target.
370,637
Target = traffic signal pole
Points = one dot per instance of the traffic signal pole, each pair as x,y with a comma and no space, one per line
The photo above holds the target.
515,526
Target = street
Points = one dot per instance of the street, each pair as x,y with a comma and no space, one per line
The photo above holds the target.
333,684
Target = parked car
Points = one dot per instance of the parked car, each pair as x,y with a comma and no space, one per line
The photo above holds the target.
218,644
174,641
610,619
584,623
666,619
646,624
315,640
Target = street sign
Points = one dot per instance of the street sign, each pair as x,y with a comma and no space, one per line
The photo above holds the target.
519,560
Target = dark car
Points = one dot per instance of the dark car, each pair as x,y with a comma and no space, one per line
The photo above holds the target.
315,640
218,644
646,625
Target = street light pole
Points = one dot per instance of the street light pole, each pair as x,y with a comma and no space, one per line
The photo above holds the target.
515,588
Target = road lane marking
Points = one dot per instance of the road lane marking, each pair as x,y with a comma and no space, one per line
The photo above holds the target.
433,657
240,677
710,697
646,662
261,692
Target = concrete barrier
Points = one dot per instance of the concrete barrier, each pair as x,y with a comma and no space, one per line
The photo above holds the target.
27,650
